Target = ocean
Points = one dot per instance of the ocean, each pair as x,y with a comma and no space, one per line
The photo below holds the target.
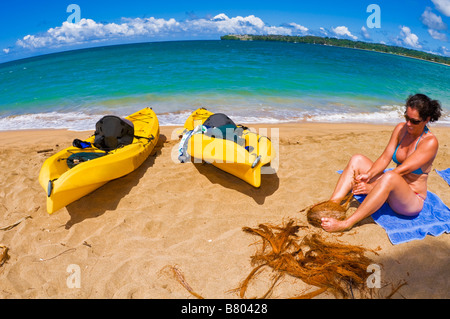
252,82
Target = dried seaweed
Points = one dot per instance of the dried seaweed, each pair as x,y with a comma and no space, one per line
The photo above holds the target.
9,227
334,267
3,254
180,278
395,289
61,253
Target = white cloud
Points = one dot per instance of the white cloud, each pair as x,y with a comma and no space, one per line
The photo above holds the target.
343,31
437,35
88,30
409,38
432,20
299,27
365,33
434,23
222,24
6,50
444,51
220,17
443,6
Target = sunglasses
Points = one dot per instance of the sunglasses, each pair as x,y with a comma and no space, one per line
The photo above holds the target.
413,121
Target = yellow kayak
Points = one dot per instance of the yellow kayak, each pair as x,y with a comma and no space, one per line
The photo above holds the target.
243,158
75,172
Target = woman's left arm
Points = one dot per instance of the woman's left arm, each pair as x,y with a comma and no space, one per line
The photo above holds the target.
425,153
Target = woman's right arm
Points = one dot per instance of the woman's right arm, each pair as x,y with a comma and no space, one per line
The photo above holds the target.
385,158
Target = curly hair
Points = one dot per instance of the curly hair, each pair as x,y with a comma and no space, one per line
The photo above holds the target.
426,107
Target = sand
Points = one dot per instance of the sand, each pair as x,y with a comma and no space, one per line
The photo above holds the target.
121,240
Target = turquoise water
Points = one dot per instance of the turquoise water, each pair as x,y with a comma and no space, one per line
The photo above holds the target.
252,82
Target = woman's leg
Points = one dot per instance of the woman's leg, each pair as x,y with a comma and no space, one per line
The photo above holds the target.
358,164
391,187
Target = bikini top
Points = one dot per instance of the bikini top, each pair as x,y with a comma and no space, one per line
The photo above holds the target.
394,157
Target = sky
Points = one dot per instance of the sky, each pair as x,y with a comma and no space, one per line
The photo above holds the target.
34,27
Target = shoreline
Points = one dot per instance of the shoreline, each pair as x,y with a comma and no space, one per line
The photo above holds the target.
127,234
262,124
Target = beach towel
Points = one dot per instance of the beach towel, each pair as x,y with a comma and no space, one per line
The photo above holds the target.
445,174
434,219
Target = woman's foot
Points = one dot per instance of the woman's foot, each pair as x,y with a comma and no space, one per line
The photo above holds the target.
333,225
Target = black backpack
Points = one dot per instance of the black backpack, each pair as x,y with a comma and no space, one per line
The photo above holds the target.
218,120
220,125
112,132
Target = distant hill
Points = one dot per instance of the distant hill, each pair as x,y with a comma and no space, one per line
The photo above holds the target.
378,47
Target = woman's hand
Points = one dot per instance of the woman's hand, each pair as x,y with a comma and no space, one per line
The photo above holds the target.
362,188
362,178
361,185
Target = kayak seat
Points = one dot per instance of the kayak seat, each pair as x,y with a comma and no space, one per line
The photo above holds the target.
112,132
220,125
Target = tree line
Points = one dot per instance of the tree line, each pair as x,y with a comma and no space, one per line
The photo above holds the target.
378,47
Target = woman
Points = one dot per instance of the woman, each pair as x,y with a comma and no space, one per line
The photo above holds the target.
413,148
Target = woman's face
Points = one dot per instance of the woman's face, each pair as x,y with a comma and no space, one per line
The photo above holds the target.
414,122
